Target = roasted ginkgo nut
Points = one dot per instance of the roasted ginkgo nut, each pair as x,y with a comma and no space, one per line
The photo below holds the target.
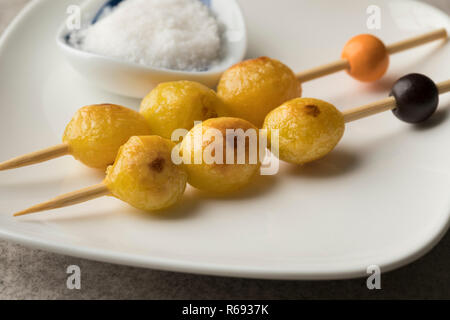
144,175
178,104
308,129
221,176
96,132
252,88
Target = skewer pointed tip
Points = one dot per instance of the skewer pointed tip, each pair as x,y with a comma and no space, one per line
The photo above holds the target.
68,199
35,157
23,212
6,165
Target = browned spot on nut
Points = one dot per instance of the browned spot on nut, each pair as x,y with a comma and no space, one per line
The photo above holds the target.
312,110
157,164
207,113
213,114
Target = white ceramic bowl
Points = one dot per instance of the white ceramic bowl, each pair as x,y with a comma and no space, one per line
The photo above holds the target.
134,80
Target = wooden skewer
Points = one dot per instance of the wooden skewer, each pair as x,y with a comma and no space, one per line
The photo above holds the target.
68,199
369,109
443,87
343,64
36,157
417,41
382,105
324,70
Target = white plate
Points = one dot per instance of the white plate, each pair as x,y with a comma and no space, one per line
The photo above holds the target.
382,197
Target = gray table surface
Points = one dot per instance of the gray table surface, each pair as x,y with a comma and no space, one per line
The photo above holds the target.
34,274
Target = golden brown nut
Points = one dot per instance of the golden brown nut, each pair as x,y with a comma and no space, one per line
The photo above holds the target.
308,129
176,105
145,176
213,145
96,132
252,88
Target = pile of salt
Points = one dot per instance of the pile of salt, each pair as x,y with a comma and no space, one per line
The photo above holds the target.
171,34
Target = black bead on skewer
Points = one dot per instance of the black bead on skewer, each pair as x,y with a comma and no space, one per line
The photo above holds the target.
416,97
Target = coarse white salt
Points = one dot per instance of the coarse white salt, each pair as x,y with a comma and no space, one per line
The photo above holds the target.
171,34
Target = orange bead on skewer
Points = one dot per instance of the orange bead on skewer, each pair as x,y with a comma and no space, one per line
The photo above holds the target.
367,57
